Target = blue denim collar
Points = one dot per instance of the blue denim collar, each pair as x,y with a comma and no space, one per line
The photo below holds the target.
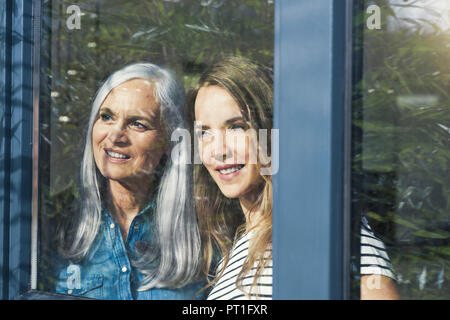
148,208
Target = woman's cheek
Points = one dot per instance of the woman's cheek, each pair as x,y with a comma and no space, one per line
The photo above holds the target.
100,133
204,152
241,150
251,150
156,147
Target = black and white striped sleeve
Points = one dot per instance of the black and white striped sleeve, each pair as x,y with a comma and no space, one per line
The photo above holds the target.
374,258
226,288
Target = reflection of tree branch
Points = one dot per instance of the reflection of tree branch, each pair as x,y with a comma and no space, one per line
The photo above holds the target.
413,5
399,75
441,90
46,139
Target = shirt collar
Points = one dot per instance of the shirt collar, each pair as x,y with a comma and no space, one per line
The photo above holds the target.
148,208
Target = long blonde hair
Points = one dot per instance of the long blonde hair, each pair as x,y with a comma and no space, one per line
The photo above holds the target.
221,220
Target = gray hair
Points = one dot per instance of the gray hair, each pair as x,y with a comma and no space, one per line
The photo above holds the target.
177,244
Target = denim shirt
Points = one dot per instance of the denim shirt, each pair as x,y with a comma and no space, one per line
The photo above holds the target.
106,272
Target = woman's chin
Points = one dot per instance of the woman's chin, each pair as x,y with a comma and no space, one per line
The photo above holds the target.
118,177
231,193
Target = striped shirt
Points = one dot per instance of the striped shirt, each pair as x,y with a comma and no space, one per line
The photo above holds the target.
226,289
374,260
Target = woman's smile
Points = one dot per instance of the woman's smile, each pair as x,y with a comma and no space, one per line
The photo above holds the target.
116,156
228,172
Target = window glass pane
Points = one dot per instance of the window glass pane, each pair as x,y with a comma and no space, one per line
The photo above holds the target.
400,144
83,43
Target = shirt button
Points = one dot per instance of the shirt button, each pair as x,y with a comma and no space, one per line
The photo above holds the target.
112,225
136,227
124,269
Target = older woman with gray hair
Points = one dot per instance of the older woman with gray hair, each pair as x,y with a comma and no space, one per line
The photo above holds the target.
136,234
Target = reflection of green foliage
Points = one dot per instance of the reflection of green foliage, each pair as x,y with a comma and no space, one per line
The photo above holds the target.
184,36
401,122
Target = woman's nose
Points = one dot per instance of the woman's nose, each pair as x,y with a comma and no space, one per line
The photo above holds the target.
223,149
117,134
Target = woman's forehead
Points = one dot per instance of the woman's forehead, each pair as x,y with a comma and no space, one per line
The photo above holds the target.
135,96
215,103
136,84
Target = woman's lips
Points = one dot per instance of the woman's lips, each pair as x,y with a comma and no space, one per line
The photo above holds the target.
228,172
116,156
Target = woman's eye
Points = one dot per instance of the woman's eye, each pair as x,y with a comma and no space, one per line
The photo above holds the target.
202,133
139,125
105,117
237,127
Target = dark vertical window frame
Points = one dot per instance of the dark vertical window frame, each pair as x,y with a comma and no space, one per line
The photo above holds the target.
42,144
351,226
311,217
345,120
340,149
356,67
16,147
5,118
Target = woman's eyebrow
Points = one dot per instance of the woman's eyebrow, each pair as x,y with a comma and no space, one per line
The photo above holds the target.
226,122
140,117
201,127
106,109
129,117
235,119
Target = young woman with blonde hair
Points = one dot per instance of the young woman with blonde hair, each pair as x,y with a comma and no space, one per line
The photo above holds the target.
232,107
233,198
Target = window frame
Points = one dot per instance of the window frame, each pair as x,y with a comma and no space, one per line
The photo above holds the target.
16,149
321,223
